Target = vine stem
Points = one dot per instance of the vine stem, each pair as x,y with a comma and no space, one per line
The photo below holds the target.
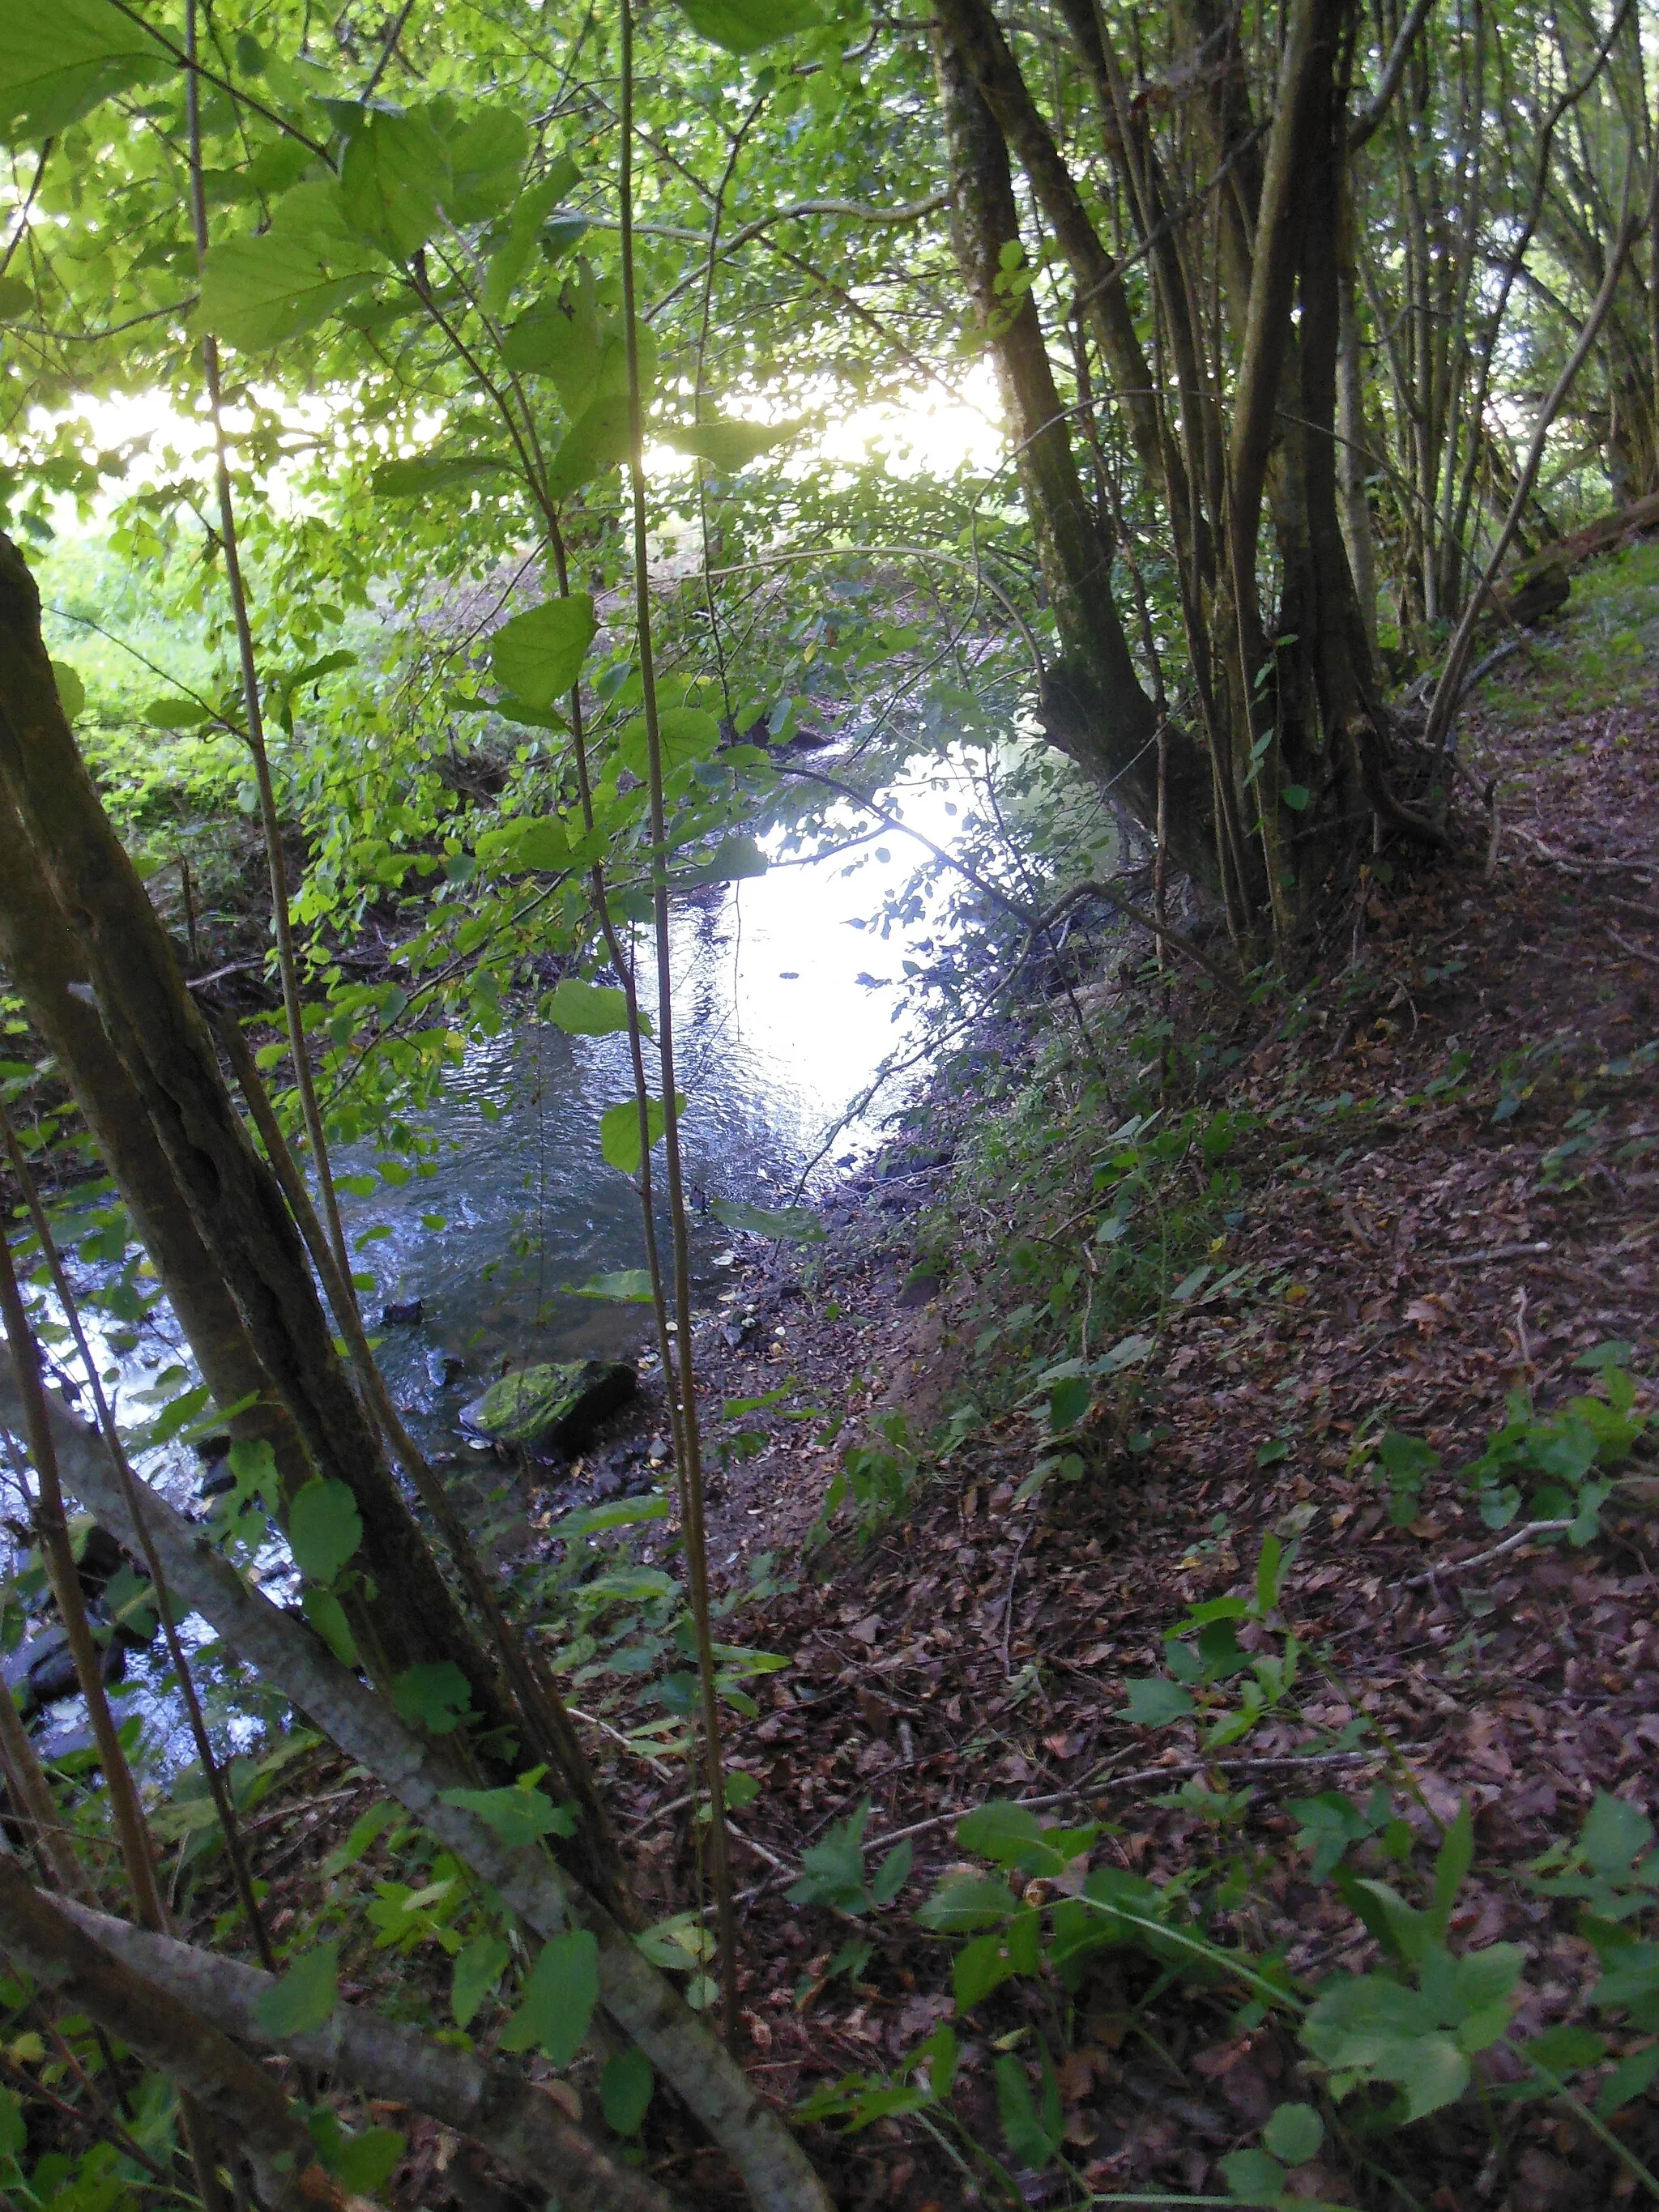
212,1773
681,1383
282,921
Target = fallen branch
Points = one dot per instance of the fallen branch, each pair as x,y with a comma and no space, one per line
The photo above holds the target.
1511,1543
642,2000
82,1975
1494,1252
514,2122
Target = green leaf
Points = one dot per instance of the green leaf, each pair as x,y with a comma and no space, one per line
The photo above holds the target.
832,1871
517,1815
327,1616
1628,2079
425,476
433,1696
1154,1703
1068,1401
71,691
512,257
1296,796
728,447
734,859
892,1874
1294,2133
630,1285
964,1903
625,2089
1564,2049
538,844
686,733
796,1224
177,714
486,153
365,2163
1253,2177
558,1999
999,1830
16,298
57,61
744,26
619,1132
261,291
324,1528
585,1009
595,442
394,174
1615,1834
478,1969
1451,1866
1031,2141
304,1998
979,1967
539,654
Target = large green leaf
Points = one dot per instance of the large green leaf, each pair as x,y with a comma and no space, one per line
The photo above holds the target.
539,655
394,174
585,1009
58,58
595,442
728,447
258,291
538,845
558,2000
625,2089
532,209
304,1997
433,1695
487,152
619,1132
324,1528
477,1969
420,476
744,26
686,733
517,1815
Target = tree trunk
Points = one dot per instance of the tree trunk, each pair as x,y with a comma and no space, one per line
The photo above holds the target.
38,947
1093,706
163,1046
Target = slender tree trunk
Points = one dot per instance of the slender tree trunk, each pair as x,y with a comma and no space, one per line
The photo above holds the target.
1093,705
39,948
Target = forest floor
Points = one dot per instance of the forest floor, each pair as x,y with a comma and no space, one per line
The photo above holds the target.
1428,1185
1449,1193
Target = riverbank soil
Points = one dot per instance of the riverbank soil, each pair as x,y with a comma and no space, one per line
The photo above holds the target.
1447,1191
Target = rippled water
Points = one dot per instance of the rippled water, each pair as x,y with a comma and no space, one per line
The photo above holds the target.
783,1011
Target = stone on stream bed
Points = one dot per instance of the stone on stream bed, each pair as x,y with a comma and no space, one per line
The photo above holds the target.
559,1404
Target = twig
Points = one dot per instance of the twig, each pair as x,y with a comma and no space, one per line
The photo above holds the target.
1635,951
1511,1543
593,1720
1008,1602
1496,1252
1649,913
1643,868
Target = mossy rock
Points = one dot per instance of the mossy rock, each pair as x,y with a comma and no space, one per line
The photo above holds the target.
560,1404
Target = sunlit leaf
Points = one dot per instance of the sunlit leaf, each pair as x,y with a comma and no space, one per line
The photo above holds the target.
539,654
324,1528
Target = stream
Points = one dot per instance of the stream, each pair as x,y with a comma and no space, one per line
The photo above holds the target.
785,1005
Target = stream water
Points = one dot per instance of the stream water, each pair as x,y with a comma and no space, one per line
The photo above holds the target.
785,1007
